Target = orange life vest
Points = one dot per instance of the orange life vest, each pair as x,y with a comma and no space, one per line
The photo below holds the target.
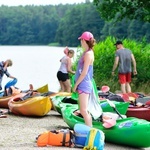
61,137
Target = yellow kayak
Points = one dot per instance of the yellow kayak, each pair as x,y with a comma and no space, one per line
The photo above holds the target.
34,106
60,94
43,89
4,99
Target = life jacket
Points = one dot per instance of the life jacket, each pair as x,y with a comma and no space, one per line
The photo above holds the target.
61,137
12,90
80,134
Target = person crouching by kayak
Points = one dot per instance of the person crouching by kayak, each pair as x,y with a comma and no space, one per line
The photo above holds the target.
3,70
83,79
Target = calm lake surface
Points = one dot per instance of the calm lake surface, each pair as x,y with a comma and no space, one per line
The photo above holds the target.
35,65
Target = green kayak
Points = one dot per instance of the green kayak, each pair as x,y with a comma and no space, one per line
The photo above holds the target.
130,131
60,102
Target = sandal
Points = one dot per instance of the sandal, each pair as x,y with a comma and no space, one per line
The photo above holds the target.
3,116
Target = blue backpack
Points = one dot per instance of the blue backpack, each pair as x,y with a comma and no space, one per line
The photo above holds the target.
95,140
80,134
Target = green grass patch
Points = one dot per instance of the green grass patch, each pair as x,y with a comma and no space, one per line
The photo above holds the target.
104,59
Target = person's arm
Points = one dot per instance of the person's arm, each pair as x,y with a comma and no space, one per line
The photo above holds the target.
115,64
87,62
12,77
69,66
8,74
134,64
5,66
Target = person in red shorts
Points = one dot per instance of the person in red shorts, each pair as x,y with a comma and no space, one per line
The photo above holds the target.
124,58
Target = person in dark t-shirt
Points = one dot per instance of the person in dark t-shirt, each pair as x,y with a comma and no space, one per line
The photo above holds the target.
123,60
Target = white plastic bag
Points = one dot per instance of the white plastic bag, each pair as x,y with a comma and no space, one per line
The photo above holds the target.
94,106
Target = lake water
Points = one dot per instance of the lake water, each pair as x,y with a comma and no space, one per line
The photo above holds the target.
35,65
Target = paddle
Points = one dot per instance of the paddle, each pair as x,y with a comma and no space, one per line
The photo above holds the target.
106,89
114,107
49,93
74,95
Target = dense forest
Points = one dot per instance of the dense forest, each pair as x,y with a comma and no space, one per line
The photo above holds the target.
62,24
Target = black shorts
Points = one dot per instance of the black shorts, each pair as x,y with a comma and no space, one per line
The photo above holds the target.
62,76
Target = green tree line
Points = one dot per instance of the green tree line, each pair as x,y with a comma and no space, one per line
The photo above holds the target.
62,24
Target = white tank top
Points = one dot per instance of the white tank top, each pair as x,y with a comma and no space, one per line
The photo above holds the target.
63,66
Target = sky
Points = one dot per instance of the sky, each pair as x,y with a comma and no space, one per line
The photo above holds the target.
38,2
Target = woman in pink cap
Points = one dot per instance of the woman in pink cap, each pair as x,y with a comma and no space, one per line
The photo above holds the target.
84,75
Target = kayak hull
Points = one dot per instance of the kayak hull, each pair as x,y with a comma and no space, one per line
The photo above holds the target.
130,131
35,106
143,111
4,101
57,94
62,101
139,112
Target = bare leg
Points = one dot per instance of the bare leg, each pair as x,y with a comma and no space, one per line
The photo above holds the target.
83,102
128,87
123,88
67,85
61,86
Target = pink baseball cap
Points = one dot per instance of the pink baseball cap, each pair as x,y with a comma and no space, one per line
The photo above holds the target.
86,36
108,123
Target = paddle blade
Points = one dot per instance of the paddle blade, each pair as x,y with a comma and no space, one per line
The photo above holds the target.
113,106
111,103
75,95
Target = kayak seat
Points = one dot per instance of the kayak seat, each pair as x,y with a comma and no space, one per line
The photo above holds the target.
112,115
69,100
